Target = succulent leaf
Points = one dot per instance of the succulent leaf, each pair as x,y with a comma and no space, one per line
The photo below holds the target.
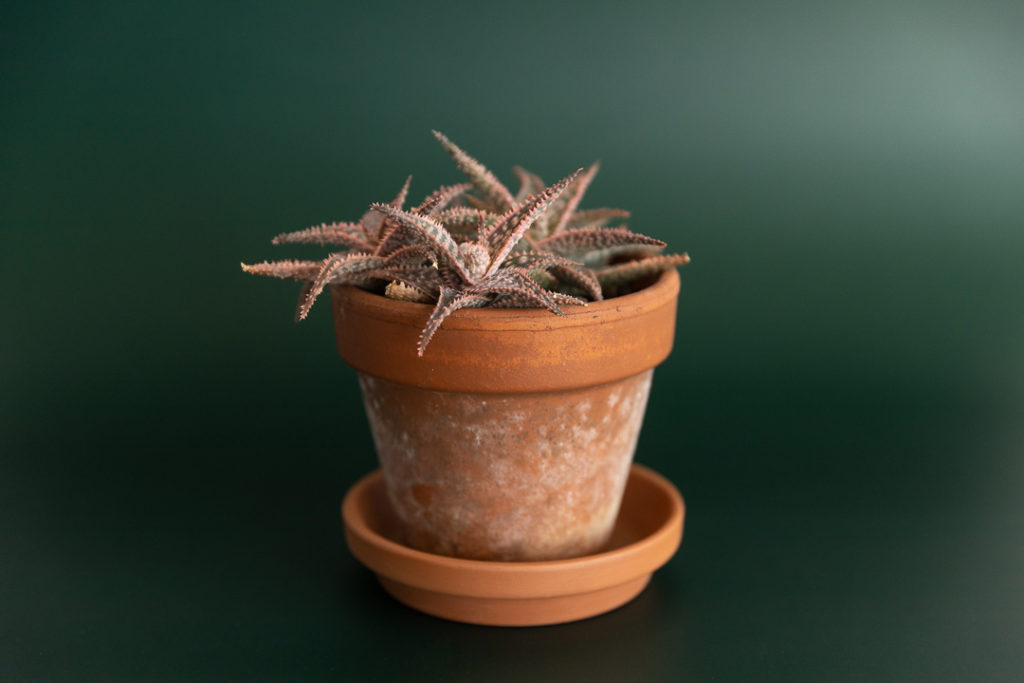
524,302
628,271
403,291
425,280
568,299
465,219
537,260
413,254
516,282
303,293
483,180
581,278
286,270
430,231
562,209
595,218
480,203
384,226
504,234
372,223
529,183
341,234
440,198
582,240
399,201
448,302
395,241
342,268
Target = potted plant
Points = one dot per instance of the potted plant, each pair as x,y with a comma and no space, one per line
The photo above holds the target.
505,344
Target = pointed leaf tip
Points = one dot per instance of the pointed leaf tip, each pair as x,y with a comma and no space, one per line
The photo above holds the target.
491,189
399,201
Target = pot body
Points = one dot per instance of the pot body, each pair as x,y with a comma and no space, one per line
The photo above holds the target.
512,436
505,476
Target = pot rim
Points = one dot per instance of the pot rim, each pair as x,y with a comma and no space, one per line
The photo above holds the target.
508,350
627,306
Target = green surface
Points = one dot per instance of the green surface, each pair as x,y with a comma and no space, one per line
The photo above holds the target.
844,410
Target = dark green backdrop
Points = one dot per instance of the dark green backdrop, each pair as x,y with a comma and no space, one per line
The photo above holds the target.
844,410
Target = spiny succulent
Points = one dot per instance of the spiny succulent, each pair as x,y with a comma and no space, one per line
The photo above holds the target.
476,245
612,259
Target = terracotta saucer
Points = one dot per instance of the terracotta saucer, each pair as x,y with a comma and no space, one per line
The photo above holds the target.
647,534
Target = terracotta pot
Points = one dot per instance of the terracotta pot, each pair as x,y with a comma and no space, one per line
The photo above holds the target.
512,436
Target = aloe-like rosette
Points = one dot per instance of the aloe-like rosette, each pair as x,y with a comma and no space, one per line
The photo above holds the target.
477,244
477,273
588,236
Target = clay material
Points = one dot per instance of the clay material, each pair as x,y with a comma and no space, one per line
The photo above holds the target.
647,533
511,438
507,477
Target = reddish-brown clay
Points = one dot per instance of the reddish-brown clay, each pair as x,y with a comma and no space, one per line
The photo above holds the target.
502,476
647,533
511,437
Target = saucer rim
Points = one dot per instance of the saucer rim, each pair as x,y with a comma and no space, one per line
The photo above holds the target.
488,579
